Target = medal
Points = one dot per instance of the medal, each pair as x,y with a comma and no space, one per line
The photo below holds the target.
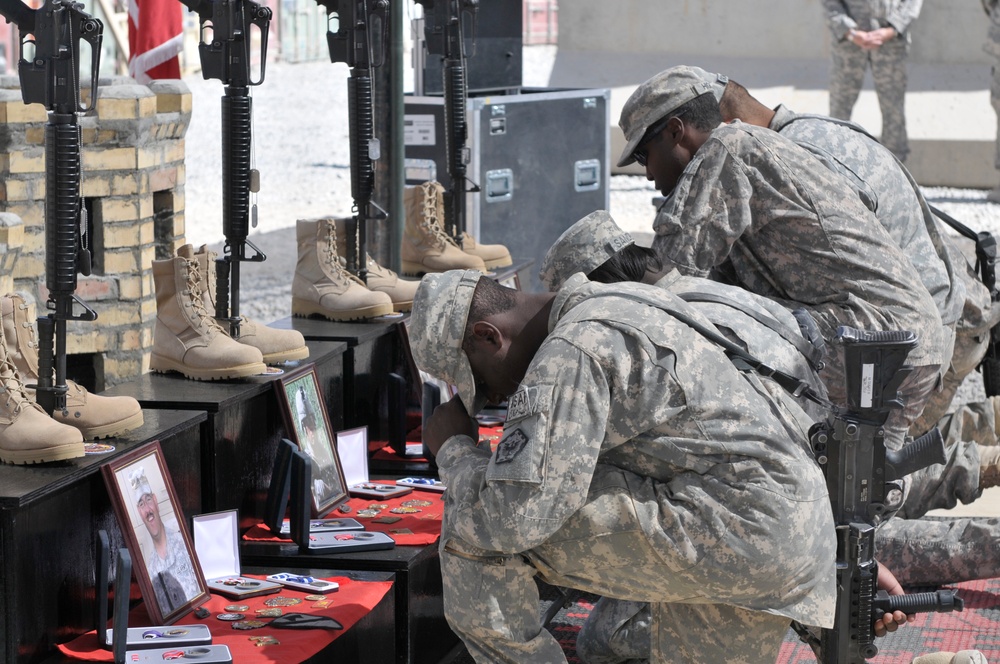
282,601
230,617
367,514
404,510
236,608
417,503
248,624
264,641
315,598
268,613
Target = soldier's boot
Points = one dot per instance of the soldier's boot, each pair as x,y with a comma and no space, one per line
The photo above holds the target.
493,255
380,279
94,415
186,338
275,345
27,433
426,247
989,466
960,657
322,285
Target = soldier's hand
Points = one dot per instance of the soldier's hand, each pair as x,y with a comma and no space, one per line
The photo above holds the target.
890,622
449,419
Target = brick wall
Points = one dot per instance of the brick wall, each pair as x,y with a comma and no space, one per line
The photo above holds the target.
133,185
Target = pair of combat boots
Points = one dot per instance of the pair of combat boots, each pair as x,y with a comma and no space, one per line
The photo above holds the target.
27,433
428,248
323,286
189,340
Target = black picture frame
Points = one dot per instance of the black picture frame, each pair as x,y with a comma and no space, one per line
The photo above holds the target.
308,426
155,531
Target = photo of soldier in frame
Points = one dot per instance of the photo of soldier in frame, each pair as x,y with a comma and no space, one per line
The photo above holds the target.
308,426
166,565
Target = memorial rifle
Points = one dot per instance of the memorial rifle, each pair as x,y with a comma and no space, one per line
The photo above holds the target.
865,485
445,35
50,75
360,42
226,56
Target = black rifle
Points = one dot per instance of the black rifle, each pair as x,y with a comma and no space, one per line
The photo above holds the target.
51,76
360,42
864,481
986,260
445,35
226,57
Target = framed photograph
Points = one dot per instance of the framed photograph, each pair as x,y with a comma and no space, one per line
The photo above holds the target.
166,565
308,427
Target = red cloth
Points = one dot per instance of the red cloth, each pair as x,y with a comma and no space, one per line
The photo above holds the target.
351,603
386,453
155,38
424,526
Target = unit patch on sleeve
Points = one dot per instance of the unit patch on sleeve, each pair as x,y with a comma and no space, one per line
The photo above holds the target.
511,445
522,403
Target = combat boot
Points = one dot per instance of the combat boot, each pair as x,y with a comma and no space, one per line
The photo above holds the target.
94,415
426,247
493,255
322,285
380,279
186,338
27,433
275,345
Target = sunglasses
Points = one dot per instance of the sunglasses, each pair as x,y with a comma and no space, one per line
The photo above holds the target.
640,154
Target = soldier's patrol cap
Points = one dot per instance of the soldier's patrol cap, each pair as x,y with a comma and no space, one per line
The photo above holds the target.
437,329
656,98
583,247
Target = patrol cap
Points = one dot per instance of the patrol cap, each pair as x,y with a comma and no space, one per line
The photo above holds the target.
139,483
656,98
583,247
437,329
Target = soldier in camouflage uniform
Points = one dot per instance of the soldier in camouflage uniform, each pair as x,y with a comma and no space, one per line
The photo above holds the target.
749,206
992,46
890,192
636,462
617,630
872,32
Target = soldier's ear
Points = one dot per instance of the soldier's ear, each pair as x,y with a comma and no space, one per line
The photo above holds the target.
487,333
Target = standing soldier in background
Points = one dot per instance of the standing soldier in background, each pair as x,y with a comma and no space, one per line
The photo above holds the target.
992,46
872,32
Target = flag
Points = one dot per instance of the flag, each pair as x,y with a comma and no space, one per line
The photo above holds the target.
155,37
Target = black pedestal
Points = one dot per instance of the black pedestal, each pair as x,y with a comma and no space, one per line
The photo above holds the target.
243,426
49,515
422,634
374,351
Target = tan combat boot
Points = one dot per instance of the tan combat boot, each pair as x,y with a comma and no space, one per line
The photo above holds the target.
94,415
27,433
186,338
275,345
493,255
960,657
426,247
322,285
380,279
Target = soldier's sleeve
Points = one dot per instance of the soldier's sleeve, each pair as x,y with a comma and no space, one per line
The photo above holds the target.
905,13
708,212
540,473
838,19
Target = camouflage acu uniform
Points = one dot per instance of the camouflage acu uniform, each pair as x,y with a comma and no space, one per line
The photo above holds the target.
757,207
889,191
636,462
888,62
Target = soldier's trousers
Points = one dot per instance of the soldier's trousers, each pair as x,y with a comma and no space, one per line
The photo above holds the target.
888,64
492,601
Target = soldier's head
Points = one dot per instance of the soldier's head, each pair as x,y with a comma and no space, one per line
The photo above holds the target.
467,329
598,247
667,119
